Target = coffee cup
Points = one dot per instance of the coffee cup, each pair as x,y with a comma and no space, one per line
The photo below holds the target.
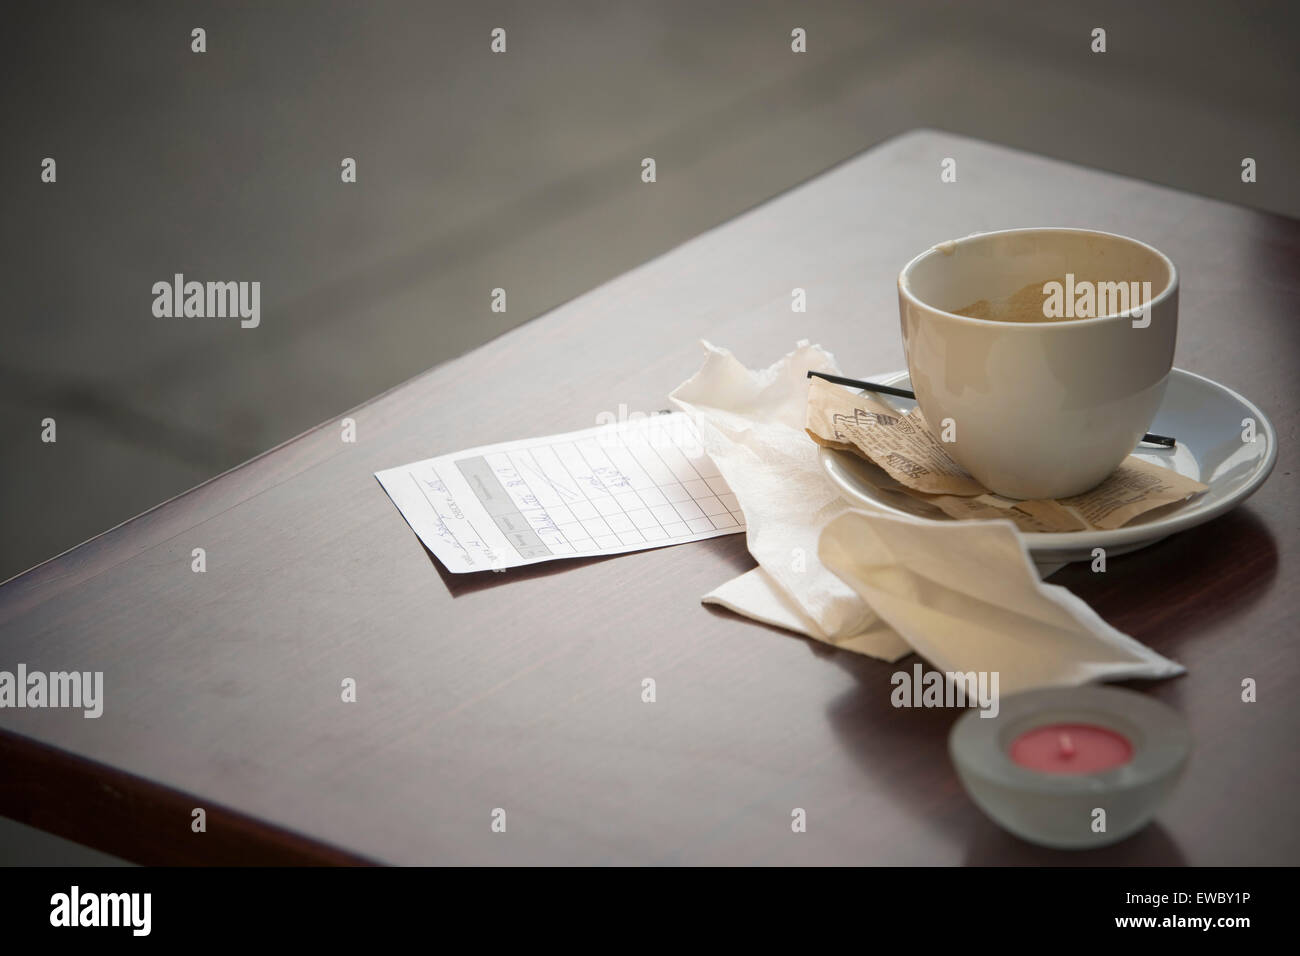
1039,406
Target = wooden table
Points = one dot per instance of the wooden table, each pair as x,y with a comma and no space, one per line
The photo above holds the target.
522,690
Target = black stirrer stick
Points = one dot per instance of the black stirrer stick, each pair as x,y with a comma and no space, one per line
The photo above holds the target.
1164,440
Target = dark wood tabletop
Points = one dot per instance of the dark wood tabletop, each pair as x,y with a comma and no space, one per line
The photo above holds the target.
522,690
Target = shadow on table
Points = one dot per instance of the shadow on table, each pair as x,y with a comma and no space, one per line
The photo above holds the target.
990,845
458,584
913,744
730,547
1182,588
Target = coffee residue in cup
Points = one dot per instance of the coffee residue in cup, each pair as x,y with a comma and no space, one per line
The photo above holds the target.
1024,305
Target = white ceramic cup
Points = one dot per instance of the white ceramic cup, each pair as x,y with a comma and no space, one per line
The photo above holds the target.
1037,409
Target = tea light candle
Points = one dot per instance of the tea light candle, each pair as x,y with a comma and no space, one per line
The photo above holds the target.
1053,758
1071,748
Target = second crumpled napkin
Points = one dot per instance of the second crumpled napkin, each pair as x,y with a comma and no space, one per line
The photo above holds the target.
965,596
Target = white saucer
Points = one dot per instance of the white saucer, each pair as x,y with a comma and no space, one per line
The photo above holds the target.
1204,416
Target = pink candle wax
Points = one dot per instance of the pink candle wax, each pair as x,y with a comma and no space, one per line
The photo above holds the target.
1071,748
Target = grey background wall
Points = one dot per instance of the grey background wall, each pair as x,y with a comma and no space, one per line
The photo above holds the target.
477,171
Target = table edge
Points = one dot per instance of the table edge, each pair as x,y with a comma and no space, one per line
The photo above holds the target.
118,813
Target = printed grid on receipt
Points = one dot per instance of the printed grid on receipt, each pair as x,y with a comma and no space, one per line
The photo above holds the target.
605,490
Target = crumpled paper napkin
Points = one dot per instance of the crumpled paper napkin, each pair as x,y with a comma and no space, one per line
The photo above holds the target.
964,595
